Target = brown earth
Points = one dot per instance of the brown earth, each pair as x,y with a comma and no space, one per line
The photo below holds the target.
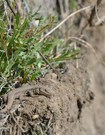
60,114
77,102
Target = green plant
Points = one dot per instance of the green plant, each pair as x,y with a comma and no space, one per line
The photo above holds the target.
73,4
20,50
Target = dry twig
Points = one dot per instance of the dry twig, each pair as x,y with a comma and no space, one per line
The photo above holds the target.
23,131
93,12
87,45
10,7
55,28
62,22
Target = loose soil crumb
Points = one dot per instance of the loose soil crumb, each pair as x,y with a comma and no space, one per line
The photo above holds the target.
35,114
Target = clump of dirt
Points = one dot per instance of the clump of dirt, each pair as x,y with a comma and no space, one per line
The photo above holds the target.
59,114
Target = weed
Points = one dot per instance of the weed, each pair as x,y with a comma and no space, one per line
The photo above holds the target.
20,49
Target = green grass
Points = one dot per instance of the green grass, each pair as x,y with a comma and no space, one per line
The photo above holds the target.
20,50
